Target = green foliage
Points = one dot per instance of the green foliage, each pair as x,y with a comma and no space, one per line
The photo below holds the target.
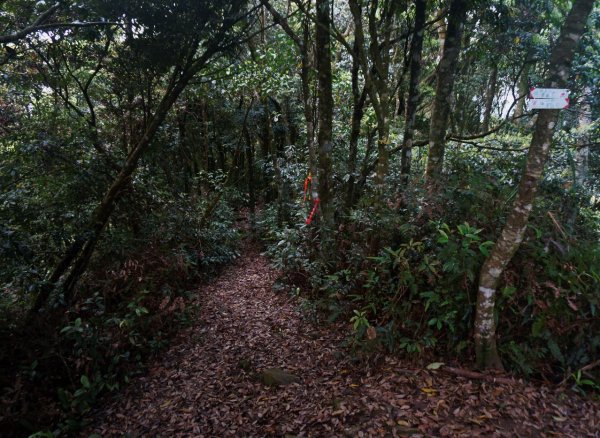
412,275
413,290
364,335
553,310
137,303
582,384
401,263
136,294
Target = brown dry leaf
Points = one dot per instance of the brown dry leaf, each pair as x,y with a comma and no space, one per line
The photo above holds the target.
197,387
429,391
371,333
572,305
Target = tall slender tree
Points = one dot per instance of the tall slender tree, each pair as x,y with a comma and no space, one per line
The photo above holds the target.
512,235
442,102
413,88
582,154
490,94
304,44
212,35
374,56
325,107
358,102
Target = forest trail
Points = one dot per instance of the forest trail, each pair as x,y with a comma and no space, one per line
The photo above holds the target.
206,383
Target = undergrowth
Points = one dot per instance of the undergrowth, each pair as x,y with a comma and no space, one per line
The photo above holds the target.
128,307
406,280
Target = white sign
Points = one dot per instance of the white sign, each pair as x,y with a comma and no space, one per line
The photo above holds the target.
548,93
559,103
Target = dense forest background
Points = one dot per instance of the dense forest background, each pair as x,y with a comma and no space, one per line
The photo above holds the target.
382,151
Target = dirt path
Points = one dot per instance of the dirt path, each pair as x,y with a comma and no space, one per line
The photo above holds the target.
205,384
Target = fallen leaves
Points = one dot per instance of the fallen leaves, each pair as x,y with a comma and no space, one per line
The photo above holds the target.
205,384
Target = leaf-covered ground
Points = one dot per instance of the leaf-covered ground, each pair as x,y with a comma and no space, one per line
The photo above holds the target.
208,383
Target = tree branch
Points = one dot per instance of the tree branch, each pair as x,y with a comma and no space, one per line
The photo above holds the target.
282,21
14,37
492,148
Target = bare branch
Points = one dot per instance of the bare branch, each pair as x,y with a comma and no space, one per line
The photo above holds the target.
14,37
491,131
492,148
282,21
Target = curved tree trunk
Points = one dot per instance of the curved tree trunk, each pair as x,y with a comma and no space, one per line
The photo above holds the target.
78,256
516,224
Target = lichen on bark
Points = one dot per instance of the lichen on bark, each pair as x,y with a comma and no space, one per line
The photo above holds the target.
516,224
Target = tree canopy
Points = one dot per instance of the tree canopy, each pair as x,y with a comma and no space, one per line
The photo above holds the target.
384,153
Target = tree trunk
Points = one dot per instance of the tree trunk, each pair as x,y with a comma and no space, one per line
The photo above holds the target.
580,163
516,224
358,103
309,111
184,150
291,131
325,108
582,153
205,157
268,151
366,166
441,31
279,141
490,93
383,131
249,149
523,86
220,162
375,70
380,24
443,90
307,65
80,252
413,89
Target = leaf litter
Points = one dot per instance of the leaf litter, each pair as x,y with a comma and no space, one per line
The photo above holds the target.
208,383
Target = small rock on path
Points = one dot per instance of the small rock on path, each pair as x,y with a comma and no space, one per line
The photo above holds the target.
208,383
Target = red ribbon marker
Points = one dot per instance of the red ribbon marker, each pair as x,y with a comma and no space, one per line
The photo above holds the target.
312,213
307,181
307,184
